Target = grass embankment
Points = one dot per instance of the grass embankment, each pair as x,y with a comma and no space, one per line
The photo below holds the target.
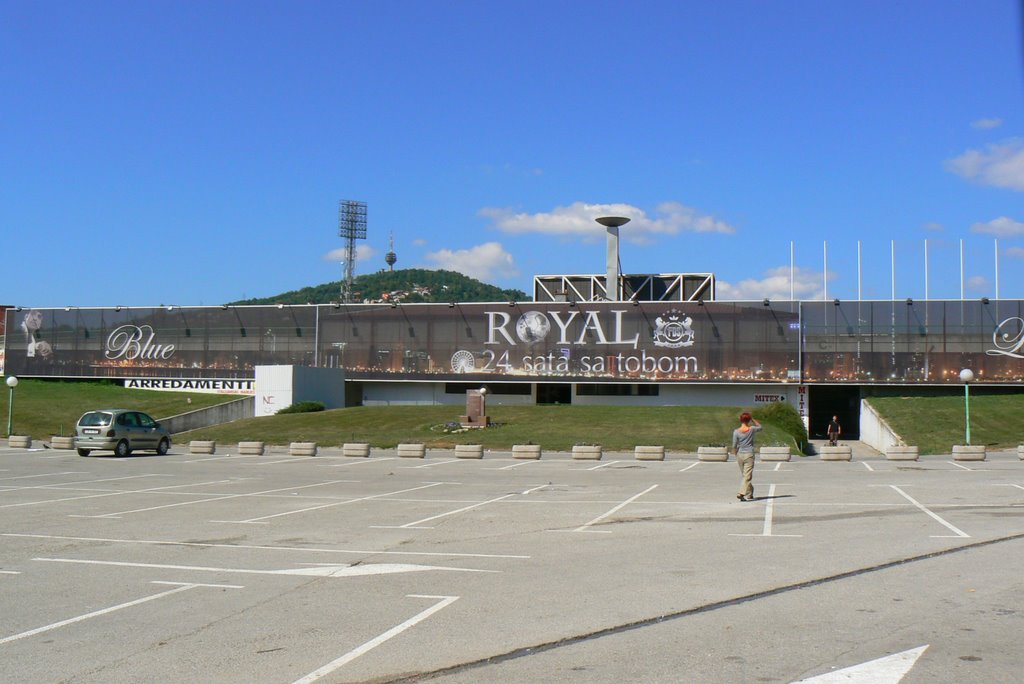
935,424
46,407
554,427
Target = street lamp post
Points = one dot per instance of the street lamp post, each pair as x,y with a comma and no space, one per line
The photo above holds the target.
966,377
12,382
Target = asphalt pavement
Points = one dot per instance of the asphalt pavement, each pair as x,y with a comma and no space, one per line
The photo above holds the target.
229,568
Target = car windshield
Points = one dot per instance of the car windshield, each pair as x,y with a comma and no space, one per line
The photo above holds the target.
95,419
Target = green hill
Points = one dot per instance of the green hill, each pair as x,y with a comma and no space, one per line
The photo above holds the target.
406,285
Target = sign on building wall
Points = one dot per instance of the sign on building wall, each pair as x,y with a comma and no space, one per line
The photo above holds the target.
583,342
202,385
589,342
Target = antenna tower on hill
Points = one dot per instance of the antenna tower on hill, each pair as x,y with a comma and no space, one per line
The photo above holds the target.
391,257
351,227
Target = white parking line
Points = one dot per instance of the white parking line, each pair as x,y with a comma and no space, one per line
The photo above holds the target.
868,466
27,477
233,457
378,640
431,465
335,503
365,460
603,465
216,498
415,525
515,465
71,485
105,494
958,532
104,611
970,470
293,459
769,513
692,465
585,527
360,570
253,547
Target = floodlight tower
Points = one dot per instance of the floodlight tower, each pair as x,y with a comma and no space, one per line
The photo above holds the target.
611,284
351,226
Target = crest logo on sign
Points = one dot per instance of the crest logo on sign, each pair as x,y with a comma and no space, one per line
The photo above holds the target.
673,330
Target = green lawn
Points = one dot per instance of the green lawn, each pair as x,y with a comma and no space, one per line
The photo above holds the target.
553,427
935,424
47,407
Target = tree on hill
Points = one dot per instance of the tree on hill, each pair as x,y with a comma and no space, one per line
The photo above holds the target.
405,285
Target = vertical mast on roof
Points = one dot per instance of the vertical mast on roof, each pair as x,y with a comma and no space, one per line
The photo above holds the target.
613,291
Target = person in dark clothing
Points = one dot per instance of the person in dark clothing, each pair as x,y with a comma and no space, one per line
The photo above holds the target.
834,430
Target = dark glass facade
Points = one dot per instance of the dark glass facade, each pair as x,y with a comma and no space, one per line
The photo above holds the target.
593,343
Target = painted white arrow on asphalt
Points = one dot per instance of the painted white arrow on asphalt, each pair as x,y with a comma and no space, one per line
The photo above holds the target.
315,571
887,670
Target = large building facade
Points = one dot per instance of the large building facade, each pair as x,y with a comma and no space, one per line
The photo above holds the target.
821,356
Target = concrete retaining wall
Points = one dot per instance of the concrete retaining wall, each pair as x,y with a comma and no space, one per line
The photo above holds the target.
874,431
214,415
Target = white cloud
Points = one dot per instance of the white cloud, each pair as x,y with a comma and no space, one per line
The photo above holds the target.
934,227
419,242
1015,252
486,262
774,285
577,220
999,165
363,253
977,284
1000,227
987,124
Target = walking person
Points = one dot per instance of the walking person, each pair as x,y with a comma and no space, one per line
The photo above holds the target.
743,448
834,430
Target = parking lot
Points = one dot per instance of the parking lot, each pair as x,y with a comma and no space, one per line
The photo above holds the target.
230,568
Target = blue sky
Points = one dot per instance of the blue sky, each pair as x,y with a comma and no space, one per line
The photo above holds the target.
194,153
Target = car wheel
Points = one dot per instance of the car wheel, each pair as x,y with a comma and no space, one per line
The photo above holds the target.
122,449
164,446
83,452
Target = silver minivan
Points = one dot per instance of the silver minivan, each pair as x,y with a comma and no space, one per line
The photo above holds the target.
121,431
